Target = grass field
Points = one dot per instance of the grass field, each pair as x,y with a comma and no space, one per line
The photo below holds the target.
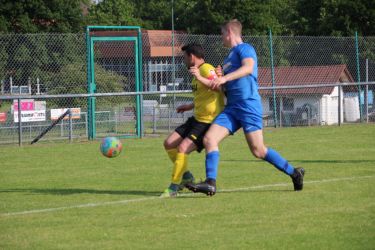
68,196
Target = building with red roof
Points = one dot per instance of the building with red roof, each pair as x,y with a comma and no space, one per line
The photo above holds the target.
311,105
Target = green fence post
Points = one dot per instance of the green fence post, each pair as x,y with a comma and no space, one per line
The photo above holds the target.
90,87
358,76
273,80
140,85
92,90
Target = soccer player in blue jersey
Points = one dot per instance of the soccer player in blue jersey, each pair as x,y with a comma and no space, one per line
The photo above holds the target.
243,109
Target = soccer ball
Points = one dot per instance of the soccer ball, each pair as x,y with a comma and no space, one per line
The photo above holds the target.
110,147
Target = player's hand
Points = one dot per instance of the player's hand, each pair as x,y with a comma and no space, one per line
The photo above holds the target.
219,71
194,71
217,82
182,108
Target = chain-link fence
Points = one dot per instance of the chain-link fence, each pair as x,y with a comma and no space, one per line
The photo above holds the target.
53,64
159,114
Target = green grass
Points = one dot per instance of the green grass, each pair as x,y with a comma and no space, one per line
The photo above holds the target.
336,209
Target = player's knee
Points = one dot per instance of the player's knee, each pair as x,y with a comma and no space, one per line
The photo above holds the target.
167,144
183,148
208,141
259,153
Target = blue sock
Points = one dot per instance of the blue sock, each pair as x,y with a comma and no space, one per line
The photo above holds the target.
212,163
278,161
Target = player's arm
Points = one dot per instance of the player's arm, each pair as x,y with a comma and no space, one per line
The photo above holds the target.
203,80
206,81
246,69
185,107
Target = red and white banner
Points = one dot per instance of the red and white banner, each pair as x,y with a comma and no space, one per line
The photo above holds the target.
31,116
31,111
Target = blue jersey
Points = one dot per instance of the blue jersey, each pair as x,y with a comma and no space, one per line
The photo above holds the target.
245,87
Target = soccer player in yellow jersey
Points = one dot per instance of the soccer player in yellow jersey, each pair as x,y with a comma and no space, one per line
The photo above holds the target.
188,137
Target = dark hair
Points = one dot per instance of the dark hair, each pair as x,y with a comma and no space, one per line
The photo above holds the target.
195,49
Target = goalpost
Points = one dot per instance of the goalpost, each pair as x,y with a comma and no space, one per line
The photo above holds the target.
111,44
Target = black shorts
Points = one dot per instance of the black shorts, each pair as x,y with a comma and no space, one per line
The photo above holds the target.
194,130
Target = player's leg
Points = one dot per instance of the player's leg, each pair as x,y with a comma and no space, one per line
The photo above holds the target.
259,150
211,141
171,143
180,169
176,137
193,132
192,142
223,125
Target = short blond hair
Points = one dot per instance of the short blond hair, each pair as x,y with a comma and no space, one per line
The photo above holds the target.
234,25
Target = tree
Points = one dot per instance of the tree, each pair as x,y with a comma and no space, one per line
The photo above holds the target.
206,16
112,12
72,79
34,16
31,56
154,14
338,18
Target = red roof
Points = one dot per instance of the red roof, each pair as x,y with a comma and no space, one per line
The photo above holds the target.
303,75
156,43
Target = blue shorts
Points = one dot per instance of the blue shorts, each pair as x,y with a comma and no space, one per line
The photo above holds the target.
246,114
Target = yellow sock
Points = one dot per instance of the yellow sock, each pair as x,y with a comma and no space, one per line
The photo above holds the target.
179,168
172,154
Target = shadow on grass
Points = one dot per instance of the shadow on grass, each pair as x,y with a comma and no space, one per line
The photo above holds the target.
72,191
317,161
256,190
333,161
240,160
187,195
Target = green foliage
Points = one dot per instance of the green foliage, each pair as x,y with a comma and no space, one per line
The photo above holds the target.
72,79
38,56
284,17
112,12
45,56
35,16
57,60
3,60
206,16
338,18
153,14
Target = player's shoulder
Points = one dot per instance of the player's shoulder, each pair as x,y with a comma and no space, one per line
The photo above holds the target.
206,67
246,50
207,70
245,46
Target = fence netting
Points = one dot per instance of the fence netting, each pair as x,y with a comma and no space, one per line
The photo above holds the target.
34,65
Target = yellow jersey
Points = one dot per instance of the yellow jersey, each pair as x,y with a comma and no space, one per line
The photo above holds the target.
207,103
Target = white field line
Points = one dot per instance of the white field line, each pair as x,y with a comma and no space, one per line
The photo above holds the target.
100,204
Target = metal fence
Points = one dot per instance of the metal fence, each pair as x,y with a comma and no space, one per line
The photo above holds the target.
159,113
34,65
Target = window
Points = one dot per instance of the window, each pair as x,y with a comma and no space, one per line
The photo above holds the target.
271,104
288,104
